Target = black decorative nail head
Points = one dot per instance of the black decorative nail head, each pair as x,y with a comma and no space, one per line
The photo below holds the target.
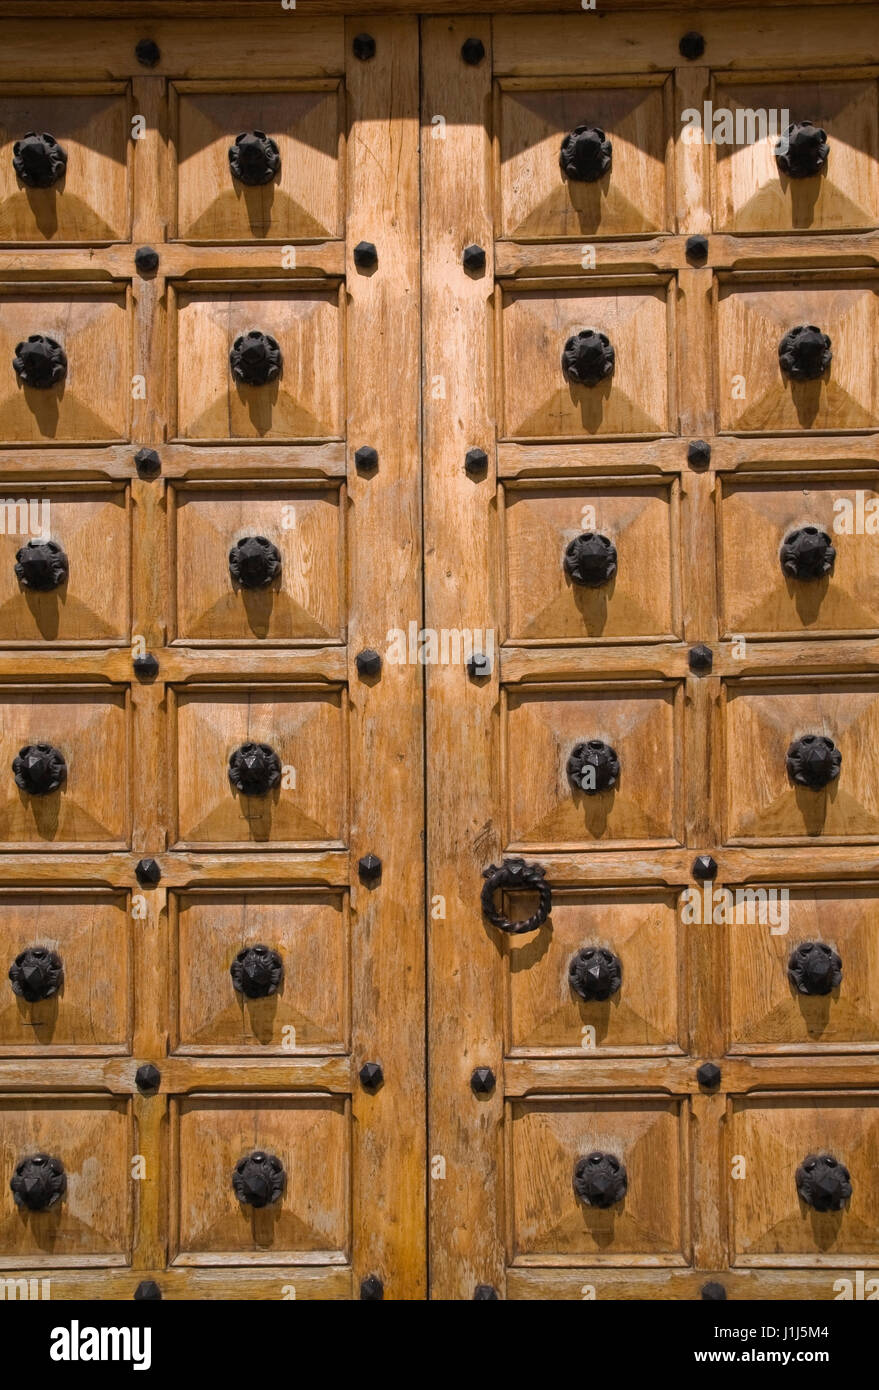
486,1293
802,150
807,554
814,968
146,666
804,353
258,1179
701,659
586,154
148,1077
372,1290
40,362
368,662
483,1081
588,358
593,767
257,972
698,453
254,562
255,358
366,458
147,461
147,871
369,868
254,769
38,160
515,876
473,258
147,1291
478,666
363,47
254,158
41,566
697,248
823,1182
371,1076
39,769
691,46
147,53
704,867
36,974
600,1180
590,560
365,255
595,973
708,1076
473,52
39,1182
146,259
713,1292
813,761
475,461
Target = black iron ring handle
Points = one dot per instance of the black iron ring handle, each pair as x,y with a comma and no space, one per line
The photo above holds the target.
515,875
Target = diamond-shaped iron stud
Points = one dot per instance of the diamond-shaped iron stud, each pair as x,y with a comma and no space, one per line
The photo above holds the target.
708,1075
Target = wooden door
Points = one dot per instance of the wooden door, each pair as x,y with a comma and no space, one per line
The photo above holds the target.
622,1095
234,523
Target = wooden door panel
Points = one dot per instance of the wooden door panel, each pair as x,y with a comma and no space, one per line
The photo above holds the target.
757,517
632,400
551,1225
304,602
92,604
90,1012
92,1137
547,1015
756,396
544,603
770,1224
213,1133
753,195
536,201
763,800
309,1010
769,1012
304,197
91,403
90,809
300,403
90,202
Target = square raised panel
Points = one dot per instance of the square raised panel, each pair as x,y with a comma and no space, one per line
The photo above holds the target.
89,201
310,1221
539,402
641,723
309,1011
769,1223
304,727
550,1225
755,396
304,601
767,1012
631,198
763,719
640,602
91,1224
547,1016
302,200
92,605
756,517
90,808
305,401
751,193
91,1012
91,403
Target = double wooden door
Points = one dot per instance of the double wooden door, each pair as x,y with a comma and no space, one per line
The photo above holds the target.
407,538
